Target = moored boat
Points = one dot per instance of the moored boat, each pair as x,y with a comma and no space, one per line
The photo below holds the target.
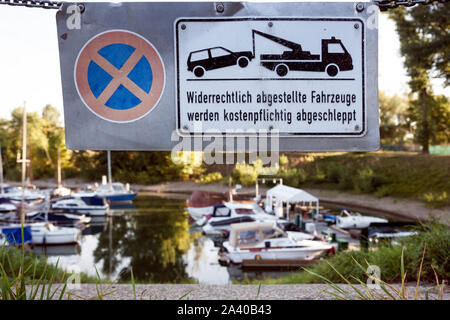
234,212
85,203
41,233
115,192
60,218
265,241
203,203
354,220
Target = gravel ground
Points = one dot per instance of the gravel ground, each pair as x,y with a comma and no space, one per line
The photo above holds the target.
218,292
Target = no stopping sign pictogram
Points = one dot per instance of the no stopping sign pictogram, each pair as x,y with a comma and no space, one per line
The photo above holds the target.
119,76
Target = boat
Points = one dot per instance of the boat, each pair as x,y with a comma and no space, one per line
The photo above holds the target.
383,232
88,203
264,241
115,192
41,233
7,206
61,191
60,218
354,220
202,203
219,222
30,195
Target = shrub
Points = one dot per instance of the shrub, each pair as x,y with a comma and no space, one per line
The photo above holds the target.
210,178
362,182
292,176
436,199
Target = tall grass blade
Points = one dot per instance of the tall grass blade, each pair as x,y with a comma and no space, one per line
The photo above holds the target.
420,272
133,284
259,291
184,295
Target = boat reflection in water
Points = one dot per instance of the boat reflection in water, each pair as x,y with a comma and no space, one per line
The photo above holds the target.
97,225
61,250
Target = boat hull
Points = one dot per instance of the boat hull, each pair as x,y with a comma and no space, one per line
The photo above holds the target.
299,254
120,197
92,211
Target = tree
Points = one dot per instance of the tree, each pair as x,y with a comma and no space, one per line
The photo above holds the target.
424,39
394,119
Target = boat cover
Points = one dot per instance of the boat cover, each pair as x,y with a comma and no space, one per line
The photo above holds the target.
290,194
14,235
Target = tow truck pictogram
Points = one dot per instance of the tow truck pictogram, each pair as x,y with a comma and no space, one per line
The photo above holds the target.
334,57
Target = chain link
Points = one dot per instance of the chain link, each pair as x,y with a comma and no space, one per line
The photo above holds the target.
382,4
45,4
391,4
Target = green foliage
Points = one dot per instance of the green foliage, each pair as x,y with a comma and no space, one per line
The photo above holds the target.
394,120
424,37
363,181
381,173
211,177
437,199
19,268
246,174
45,139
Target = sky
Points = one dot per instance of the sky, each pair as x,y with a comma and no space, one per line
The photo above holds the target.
30,71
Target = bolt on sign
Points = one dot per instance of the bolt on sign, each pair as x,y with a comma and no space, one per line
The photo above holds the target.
145,76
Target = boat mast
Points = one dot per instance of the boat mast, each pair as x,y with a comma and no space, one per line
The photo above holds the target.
109,170
24,162
59,168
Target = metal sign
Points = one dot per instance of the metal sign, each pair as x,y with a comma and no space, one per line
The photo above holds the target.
145,76
300,76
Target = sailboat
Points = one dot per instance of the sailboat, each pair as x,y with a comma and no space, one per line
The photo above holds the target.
60,190
39,233
114,192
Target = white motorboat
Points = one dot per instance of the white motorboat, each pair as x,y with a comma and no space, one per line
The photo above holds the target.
41,233
115,192
59,218
234,212
6,205
48,233
354,220
87,203
265,241
30,195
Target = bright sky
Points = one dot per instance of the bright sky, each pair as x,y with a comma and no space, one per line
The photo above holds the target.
29,60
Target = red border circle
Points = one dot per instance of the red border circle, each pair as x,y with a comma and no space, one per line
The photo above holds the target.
97,105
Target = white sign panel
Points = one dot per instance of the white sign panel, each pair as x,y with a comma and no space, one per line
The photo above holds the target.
299,76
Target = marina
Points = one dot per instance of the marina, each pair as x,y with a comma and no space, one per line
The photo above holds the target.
159,240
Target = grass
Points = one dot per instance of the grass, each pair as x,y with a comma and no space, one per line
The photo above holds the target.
381,290
13,259
24,276
389,258
382,173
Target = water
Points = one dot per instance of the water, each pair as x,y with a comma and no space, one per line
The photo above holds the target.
153,238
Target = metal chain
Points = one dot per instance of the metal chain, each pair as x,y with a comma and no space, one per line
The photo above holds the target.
382,4
391,4
45,4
